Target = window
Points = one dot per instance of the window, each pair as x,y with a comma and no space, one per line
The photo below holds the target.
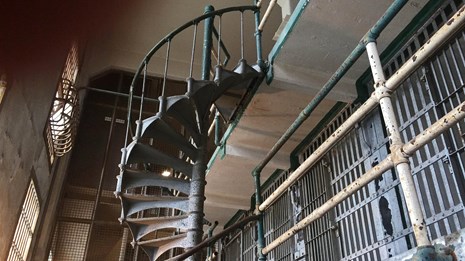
26,225
61,125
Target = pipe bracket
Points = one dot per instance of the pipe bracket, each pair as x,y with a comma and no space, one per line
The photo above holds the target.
398,155
381,90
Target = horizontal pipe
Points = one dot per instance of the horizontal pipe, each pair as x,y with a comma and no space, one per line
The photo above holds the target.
397,78
439,38
214,238
115,93
440,126
372,34
353,187
435,130
267,14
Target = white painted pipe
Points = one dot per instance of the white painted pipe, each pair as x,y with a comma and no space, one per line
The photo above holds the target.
392,84
435,129
400,160
353,187
443,34
267,14
411,147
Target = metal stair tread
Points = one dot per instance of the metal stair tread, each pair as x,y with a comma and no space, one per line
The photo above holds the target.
158,242
181,108
154,127
144,153
141,197
140,178
150,220
131,206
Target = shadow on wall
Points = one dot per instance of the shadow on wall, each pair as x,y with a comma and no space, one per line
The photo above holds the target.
35,30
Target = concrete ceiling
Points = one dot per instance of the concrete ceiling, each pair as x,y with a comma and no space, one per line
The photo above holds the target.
322,38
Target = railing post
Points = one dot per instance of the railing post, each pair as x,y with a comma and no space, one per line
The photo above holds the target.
207,44
260,229
400,159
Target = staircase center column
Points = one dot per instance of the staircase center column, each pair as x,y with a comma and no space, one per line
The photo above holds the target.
196,199
197,194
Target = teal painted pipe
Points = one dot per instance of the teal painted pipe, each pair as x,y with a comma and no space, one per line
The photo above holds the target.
207,44
371,35
260,229
256,175
258,39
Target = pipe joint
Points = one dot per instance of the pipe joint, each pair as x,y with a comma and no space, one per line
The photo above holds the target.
398,155
381,90
256,172
371,37
367,40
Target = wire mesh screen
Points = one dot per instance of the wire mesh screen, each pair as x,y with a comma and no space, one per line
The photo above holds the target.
70,241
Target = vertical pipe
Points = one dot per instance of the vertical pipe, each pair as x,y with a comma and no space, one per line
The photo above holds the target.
260,228
207,44
256,172
258,38
104,164
400,159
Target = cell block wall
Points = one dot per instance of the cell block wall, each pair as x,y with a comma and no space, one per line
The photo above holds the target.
373,223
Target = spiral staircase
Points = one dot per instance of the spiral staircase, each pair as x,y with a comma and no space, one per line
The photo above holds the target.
141,161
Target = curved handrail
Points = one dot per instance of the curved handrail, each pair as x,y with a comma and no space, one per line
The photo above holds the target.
167,39
195,21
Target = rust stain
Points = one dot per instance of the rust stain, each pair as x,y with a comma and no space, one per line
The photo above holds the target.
450,21
462,108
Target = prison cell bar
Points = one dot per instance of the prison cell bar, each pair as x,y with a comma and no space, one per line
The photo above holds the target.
409,148
392,83
446,31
